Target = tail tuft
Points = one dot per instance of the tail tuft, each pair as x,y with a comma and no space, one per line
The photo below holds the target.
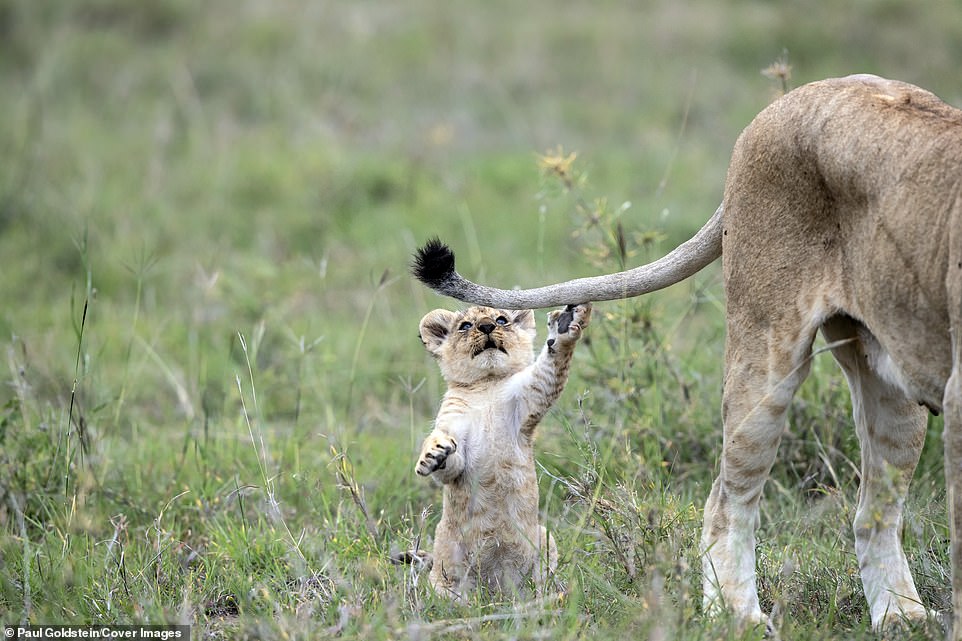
433,263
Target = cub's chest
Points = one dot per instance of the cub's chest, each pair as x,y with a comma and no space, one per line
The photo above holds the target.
486,428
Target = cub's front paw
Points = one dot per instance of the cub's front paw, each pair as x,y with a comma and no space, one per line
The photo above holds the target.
435,452
565,325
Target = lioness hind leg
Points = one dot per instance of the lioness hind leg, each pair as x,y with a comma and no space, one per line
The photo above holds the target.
761,378
952,435
891,431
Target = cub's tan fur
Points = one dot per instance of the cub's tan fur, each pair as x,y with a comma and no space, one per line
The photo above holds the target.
842,213
482,445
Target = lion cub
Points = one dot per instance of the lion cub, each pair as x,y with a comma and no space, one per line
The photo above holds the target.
481,448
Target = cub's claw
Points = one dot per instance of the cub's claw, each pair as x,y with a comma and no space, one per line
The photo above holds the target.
435,453
565,325
564,318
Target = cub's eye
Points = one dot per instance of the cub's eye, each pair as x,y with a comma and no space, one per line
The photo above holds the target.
501,320
465,326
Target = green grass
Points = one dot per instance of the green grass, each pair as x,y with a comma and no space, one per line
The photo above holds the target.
214,391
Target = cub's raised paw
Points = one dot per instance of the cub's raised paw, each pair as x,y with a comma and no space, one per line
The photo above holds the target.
565,325
434,453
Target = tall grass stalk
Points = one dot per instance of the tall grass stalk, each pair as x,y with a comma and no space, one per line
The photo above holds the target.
180,388
670,163
303,349
362,332
470,233
261,452
411,389
79,329
139,271
27,559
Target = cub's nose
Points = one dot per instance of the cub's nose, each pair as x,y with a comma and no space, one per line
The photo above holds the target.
486,328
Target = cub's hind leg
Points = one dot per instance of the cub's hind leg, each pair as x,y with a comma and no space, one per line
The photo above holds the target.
891,431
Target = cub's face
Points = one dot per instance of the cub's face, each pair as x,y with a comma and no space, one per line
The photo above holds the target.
479,342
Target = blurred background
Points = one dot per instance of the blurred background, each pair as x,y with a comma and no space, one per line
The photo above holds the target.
207,211
208,167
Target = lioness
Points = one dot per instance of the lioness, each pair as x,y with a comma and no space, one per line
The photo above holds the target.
842,212
482,446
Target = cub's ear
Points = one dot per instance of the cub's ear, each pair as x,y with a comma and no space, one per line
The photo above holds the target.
434,329
524,319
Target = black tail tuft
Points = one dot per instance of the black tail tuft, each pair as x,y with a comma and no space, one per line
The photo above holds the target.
433,263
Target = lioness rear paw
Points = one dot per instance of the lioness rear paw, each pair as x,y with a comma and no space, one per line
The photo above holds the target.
434,453
565,325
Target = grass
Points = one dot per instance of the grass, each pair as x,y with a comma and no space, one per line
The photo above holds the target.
215,393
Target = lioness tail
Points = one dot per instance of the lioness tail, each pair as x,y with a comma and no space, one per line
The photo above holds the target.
433,265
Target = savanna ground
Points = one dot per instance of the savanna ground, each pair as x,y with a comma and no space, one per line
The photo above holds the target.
214,392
